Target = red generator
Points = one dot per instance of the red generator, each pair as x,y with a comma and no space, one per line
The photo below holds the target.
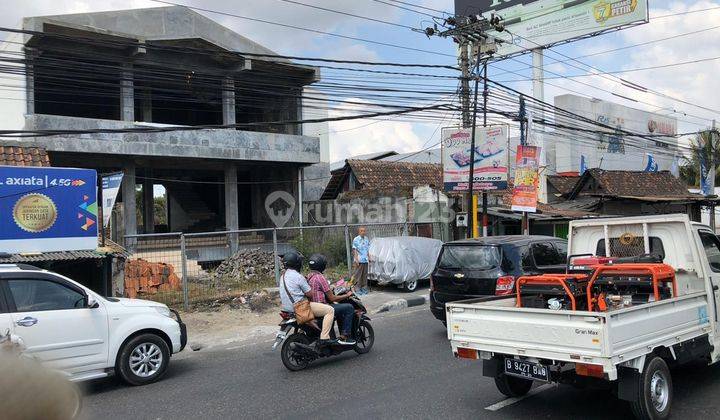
617,286
553,291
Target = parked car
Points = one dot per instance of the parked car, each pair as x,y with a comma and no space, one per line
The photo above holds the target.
472,268
402,260
69,328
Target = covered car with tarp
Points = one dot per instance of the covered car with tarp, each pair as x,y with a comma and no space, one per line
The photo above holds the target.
402,260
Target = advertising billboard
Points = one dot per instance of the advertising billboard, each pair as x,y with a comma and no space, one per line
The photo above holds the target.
525,190
534,23
47,209
609,150
491,158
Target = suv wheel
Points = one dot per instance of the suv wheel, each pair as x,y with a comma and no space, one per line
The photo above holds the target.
143,359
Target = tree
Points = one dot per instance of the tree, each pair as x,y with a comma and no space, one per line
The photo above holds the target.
706,145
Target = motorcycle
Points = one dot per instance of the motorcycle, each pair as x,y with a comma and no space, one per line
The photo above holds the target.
298,341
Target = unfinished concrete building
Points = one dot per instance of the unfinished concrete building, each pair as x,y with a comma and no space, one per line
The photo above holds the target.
170,66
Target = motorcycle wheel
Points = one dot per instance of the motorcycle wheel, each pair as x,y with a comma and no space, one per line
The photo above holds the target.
365,337
292,360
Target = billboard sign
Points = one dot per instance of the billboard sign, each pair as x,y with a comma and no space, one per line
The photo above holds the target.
46,209
525,190
534,23
491,157
609,148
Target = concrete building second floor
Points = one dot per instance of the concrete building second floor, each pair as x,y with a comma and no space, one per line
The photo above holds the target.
153,68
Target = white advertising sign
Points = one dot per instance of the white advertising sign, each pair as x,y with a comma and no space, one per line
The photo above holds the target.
491,158
609,149
534,23
110,188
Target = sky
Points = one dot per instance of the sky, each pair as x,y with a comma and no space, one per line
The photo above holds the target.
696,84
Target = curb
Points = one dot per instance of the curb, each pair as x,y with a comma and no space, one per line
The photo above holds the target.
401,304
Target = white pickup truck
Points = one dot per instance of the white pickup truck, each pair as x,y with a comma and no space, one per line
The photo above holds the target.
629,348
70,328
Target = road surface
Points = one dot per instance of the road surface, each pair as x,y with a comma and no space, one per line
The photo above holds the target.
410,373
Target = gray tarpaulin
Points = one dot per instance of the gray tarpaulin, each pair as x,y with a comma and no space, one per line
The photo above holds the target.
400,259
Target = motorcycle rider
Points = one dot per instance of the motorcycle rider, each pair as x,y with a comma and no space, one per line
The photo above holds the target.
298,287
321,293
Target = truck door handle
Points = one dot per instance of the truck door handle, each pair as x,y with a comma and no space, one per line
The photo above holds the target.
715,287
28,321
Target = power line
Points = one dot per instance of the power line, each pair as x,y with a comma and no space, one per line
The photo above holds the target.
45,133
348,14
404,8
284,25
634,85
422,7
626,47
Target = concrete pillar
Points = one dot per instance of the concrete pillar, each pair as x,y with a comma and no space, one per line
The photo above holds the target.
127,94
147,106
30,85
228,101
129,204
231,205
148,205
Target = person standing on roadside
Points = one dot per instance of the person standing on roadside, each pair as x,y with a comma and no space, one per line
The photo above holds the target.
360,248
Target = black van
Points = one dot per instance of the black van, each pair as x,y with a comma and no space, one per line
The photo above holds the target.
488,266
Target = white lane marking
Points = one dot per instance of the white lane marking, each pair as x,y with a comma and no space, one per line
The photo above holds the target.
509,401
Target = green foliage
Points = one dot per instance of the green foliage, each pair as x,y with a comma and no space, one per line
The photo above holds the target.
708,146
160,210
322,241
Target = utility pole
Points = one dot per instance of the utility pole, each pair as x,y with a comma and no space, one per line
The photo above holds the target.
711,172
539,93
484,193
464,62
472,198
525,224
472,32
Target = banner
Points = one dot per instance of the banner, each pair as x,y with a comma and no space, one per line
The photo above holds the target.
47,209
525,191
705,184
491,157
652,165
110,188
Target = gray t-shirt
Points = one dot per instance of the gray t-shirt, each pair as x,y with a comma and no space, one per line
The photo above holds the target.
296,285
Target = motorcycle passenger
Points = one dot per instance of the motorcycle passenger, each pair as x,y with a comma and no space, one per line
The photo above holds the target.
298,287
321,293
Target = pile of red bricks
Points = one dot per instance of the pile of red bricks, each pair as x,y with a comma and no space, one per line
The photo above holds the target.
144,277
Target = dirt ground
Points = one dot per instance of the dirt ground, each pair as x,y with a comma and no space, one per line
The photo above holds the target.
228,325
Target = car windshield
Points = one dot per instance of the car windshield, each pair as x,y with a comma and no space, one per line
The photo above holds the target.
477,257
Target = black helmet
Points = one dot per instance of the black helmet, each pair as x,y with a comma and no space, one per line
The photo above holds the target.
292,260
317,262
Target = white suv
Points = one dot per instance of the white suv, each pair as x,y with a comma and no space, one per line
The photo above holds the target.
70,328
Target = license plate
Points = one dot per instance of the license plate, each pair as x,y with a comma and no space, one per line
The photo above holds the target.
527,370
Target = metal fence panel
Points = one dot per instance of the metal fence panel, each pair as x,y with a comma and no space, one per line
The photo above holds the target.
200,269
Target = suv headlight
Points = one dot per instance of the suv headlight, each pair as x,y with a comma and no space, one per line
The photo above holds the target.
163,310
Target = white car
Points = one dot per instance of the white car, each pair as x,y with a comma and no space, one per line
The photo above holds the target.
70,328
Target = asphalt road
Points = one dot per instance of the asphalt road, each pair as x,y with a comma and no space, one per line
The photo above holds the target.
410,373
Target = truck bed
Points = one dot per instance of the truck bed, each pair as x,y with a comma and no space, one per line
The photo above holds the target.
602,338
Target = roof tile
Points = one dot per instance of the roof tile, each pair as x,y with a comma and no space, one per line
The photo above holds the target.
23,156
